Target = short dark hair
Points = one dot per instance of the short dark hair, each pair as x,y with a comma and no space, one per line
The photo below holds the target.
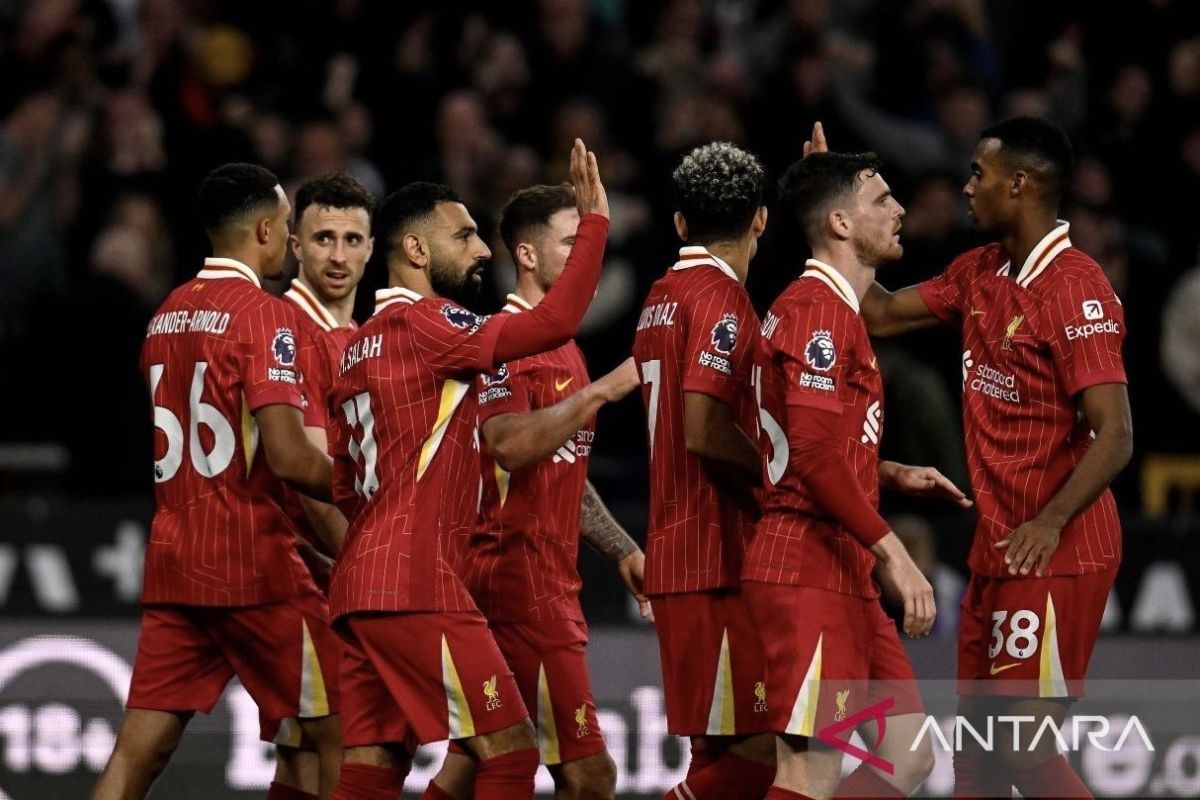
1037,146
532,207
333,191
811,186
408,204
718,188
231,191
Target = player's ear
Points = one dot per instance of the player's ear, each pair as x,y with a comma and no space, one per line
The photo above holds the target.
416,249
839,223
759,223
526,257
681,226
1018,183
262,230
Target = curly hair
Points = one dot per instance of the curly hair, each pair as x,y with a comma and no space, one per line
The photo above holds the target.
718,189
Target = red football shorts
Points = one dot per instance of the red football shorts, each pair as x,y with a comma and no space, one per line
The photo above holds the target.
712,664
1030,637
416,677
284,653
829,655
549,663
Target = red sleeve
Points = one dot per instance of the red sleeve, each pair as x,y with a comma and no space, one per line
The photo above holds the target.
315,377
815,350
554,320
505,391
816,456
720,338
945,294
268,356
1087,331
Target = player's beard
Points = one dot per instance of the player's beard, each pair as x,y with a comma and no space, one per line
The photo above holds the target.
463,288
875,254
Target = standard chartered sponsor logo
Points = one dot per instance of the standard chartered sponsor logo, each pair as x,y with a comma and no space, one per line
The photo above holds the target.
1110,326
994,383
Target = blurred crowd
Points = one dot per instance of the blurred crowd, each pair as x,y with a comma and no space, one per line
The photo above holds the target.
112,110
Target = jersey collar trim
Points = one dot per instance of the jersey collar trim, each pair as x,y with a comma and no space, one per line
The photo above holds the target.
695,256
1042,254
216,268
514,304
397,294
303,296
833,279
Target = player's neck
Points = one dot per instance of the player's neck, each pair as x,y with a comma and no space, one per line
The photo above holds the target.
529,291
406,276
342,310
1025,235
735,254
246,255
841,257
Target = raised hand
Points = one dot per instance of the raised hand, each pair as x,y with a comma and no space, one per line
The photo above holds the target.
590,197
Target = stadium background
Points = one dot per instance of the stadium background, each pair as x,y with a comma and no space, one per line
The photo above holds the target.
112,110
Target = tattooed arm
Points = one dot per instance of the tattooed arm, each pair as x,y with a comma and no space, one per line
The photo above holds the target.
600,529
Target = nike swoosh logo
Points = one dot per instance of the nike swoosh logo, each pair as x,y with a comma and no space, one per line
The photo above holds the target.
997,670
560,385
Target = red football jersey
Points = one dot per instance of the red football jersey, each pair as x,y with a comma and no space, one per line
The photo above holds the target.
323,342
814,352
1031,343
217,350
695,334
520,565
406,453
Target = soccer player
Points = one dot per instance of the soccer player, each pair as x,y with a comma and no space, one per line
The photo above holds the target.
418,662
332,243
1047,425
537,417
831,650
692,345
225,592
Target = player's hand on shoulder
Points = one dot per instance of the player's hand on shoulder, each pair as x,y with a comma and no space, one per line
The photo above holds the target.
816,144
1030,547
618,383
904,583
590,197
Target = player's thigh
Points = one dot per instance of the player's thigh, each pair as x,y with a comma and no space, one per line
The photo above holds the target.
178,667
593,776
817,646
443,670
549,664
807,766
285,654
1040,636
892,678
149,737
713,665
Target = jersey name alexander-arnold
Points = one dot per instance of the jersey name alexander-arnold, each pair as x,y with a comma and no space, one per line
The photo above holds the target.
208,320
371,347
657,314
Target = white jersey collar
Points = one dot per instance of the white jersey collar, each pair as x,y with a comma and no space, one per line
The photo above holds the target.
394,295
217,268
696,256
514,304
306,299
814,268
1041,255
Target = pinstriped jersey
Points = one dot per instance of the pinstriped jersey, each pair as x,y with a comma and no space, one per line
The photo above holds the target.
323,341
814,352
1032,341
521,562
406,453
217,350
695,334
